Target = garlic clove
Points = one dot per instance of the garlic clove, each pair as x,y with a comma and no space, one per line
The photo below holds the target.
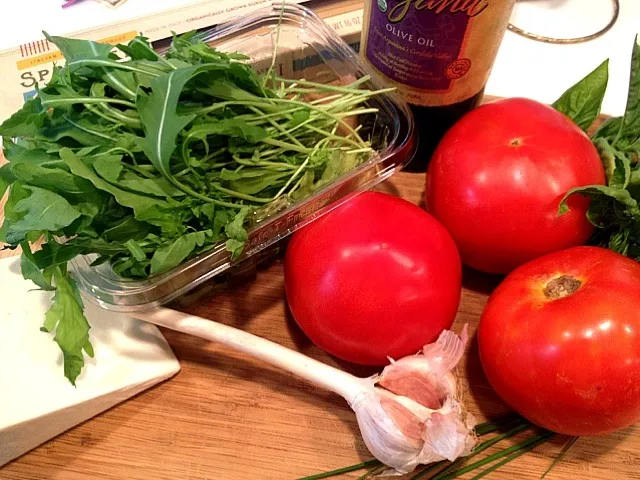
426,377
448,433
416,417
382,435
417,384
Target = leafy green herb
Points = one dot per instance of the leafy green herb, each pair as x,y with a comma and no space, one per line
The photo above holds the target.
31,270
582,102
168,256
613,208
40,210
66,318
145,161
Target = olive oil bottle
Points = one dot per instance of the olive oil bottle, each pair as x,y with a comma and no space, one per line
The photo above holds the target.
438,53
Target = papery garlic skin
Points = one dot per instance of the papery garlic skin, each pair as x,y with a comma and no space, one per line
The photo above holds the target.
381,435
417,417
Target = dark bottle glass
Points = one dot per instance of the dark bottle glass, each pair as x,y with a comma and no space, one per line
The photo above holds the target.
432,123
438,54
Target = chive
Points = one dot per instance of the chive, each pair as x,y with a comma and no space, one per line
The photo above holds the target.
492,426
340,471
537,441
482,447
372,472
429,468
496,456
481,430
560,456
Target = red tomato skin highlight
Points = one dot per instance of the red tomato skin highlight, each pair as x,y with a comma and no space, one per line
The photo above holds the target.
377,277
571,365
497,178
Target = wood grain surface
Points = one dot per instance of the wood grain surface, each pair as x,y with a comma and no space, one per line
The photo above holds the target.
224,416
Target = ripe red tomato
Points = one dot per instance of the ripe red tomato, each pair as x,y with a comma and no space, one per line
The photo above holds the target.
497,177
377,277
560,341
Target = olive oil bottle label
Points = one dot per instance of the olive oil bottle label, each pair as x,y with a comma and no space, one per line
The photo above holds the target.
437,52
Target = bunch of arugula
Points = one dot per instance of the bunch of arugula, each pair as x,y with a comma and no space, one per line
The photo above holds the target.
147,160
613,208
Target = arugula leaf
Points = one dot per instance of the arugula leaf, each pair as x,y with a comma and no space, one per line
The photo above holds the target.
53,254
160,120
44,210
139,203
157,186
139,49
299,117
16,153
253,184
224,89
55,180
237,234
31,270
338,165
17,193
108,167
230,175
220,220
63,125
582,102
6,178
66,318
232,127
173,254
25,122
170,221
128,228
135,249
75,50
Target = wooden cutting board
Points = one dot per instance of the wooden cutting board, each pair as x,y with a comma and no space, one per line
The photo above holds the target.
225,416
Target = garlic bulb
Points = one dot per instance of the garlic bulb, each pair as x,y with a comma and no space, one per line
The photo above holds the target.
409,415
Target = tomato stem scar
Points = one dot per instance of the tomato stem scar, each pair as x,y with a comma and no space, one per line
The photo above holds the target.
561,287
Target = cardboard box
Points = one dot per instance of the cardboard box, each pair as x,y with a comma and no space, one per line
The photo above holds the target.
29,64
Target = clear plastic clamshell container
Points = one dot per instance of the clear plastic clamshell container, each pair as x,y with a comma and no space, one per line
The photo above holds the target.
309,49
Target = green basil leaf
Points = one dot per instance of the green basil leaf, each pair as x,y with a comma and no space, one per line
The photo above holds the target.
618,194
617,165
630,126
608,129
583,101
